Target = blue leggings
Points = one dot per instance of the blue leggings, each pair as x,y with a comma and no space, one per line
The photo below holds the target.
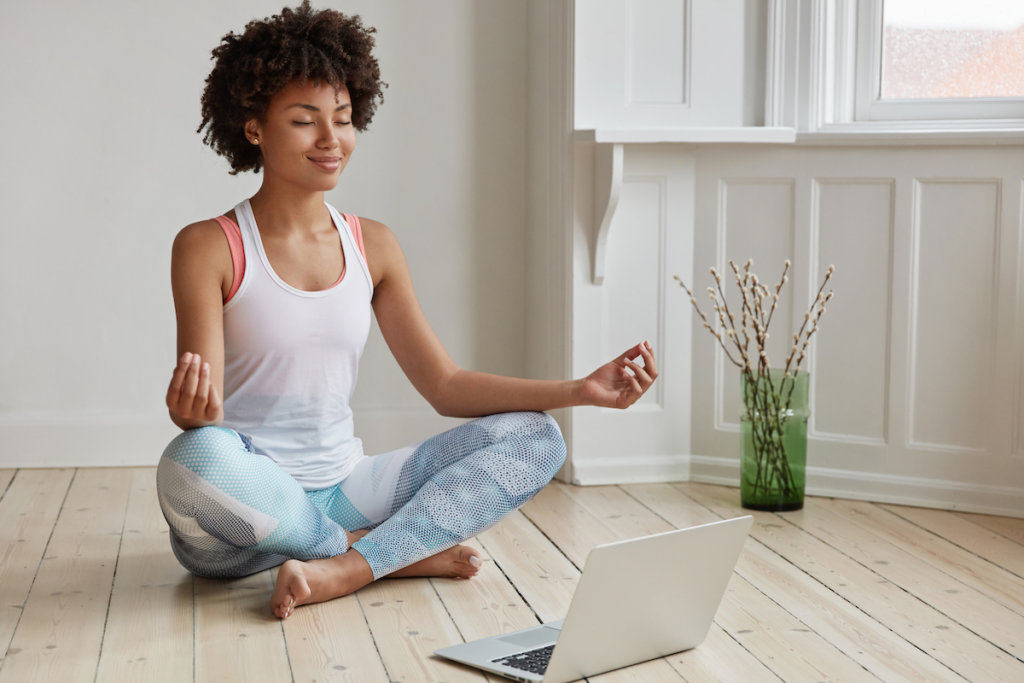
234,513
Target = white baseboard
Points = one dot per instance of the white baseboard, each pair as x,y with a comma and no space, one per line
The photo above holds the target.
880,488
639,469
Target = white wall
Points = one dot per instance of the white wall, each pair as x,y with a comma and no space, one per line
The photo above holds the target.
101,166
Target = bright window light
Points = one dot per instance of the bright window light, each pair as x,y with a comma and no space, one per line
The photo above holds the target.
952,49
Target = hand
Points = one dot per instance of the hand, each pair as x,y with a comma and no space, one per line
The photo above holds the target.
621,382
191,396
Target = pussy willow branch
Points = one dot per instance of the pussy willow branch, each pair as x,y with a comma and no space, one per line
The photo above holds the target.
819,302
704,318
757,309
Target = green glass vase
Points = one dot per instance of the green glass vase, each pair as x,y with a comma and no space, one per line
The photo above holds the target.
773,426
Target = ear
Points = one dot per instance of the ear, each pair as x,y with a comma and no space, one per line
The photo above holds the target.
253,131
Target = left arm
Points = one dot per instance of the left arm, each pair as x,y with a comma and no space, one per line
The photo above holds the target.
455,392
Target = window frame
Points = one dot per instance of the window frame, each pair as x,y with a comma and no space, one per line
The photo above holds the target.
816,54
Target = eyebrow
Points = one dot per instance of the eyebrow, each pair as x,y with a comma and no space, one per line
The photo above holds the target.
310,107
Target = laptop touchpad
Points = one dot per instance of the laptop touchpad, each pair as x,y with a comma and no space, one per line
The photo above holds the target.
535,637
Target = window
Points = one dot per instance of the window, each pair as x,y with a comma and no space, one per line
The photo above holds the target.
939,60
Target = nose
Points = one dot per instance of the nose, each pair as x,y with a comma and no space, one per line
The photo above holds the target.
329,138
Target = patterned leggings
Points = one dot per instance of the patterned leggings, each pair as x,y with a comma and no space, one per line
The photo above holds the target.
234,513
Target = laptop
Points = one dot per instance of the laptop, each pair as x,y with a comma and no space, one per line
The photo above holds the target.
636,600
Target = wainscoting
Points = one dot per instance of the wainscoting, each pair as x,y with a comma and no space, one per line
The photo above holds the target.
916,373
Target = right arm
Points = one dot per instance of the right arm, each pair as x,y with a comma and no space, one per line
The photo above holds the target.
200,276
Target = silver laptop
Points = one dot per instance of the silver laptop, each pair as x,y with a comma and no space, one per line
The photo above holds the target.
636,600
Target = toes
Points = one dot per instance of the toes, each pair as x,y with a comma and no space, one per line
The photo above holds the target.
468,562
470,556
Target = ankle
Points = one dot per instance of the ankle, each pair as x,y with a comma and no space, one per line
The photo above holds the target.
346,573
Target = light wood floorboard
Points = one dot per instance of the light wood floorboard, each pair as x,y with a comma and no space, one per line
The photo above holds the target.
841,590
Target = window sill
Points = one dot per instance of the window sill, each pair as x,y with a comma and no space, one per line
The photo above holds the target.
981,133
748,134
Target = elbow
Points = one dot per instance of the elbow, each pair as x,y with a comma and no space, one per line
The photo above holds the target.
445,408
444,396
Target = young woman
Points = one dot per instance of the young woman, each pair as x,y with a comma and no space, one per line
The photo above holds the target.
273,303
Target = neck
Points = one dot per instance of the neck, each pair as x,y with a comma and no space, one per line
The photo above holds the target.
287,209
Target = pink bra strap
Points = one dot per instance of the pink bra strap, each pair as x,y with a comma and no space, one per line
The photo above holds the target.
234,235
357,232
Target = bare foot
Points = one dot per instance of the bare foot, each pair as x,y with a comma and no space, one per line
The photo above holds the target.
460,562
302,583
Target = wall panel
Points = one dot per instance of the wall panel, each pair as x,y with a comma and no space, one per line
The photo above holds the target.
635,278
1017,357
756,222
852,221
649,241
657,51
638,63
954,303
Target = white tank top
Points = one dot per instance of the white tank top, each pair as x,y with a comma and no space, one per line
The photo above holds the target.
291,360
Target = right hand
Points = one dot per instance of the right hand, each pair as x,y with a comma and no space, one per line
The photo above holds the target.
191,397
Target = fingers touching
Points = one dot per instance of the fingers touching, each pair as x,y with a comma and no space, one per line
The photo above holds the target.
191,394
638,376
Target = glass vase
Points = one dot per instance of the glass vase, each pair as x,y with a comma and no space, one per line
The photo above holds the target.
773,426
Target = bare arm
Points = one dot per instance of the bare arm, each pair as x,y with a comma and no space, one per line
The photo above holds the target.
455,392
200,274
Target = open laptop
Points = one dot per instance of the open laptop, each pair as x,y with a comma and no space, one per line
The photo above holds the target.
636,600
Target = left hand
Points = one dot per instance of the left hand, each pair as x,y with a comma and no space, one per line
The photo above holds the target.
621,382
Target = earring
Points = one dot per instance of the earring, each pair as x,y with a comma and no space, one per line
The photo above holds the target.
255,141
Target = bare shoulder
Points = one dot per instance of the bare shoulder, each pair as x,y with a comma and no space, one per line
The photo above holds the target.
201,249
198,237
383,251
377,234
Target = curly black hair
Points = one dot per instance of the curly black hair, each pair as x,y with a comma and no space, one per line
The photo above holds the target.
300,44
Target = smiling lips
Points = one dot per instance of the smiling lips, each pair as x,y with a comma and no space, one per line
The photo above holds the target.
329,164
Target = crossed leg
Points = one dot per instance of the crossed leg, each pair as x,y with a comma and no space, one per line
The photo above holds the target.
448,489
232,513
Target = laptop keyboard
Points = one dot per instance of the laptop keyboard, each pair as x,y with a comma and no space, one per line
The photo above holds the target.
534,661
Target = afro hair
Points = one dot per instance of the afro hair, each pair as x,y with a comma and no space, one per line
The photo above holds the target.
297,45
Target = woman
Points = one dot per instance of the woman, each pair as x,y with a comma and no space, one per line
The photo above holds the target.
273,304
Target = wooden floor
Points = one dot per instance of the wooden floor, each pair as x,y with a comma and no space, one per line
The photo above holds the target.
840,591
